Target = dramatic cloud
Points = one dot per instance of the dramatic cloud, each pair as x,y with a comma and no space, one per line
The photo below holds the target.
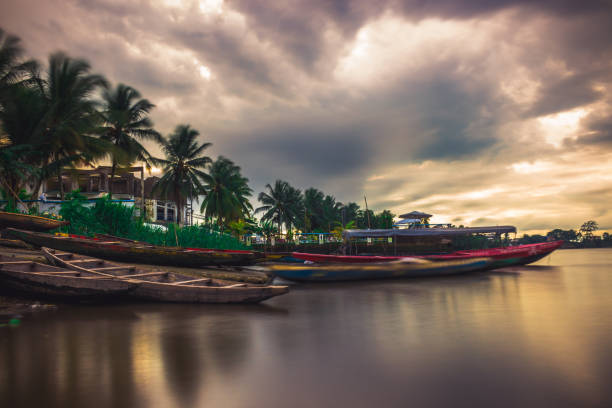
480,112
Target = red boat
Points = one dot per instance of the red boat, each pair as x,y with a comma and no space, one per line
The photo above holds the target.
505,256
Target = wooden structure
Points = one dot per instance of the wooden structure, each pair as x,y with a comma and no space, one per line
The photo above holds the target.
413,240
29,222
505,256
167,286
138,252
409,268
32,278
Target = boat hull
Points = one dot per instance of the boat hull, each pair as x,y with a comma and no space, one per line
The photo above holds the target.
134,253
507,256
70,288
386,270
146,288
28,222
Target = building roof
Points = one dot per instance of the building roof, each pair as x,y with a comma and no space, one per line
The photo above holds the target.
381,233
415,214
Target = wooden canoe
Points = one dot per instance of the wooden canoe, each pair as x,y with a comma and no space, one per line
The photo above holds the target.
29,222
134,252
504,256
167,286
107,237
32,278
384,270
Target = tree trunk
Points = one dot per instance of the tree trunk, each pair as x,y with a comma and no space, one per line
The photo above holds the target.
112,175
177,197
61,184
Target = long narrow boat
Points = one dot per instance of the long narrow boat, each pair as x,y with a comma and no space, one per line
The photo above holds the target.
135,252
107,237
167,286
28,222
506,256
38,279
384,270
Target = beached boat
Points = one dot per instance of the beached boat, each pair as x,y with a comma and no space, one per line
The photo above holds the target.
29,222
505,256
406,268
135,252
38,279
167,286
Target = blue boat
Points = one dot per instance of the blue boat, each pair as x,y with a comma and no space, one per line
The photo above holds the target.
410,268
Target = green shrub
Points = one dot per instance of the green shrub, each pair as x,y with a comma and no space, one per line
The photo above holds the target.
106,217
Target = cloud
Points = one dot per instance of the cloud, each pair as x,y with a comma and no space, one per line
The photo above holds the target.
416,104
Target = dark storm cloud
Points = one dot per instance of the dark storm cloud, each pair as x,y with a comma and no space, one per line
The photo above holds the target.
277,105
599,134
568,93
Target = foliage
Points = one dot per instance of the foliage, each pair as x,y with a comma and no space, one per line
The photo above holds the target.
339,229
106,217
587,229
559,234
282,204
126,124
182,166
226,192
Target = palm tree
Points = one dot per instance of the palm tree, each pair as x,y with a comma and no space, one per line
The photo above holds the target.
182,166
12,70
21,125
226,192
281,204
126,124
71,119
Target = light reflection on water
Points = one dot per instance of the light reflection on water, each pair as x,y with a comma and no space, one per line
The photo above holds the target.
531,336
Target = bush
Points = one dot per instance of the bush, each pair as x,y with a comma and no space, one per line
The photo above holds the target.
106,217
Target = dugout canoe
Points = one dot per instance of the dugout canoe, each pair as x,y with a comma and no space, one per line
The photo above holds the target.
135,252
503,256
166,286
36,279
107,237
413,268
29,222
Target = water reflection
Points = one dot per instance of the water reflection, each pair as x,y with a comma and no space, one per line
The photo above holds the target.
529,336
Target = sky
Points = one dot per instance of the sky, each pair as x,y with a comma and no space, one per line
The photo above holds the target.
482,112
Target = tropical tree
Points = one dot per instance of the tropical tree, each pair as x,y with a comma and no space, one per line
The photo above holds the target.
21,126
71,119
281,204
588,228
182,167
126,125
226,192
12,69
313,210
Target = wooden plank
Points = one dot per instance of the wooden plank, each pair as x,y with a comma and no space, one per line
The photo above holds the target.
113,268
238,285
86,260
140,275
57,273
192,281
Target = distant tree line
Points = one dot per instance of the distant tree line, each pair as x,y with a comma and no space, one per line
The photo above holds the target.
582,237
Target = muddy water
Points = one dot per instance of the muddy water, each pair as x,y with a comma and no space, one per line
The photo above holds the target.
534,336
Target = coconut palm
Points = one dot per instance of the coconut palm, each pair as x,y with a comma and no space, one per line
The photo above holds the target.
71,119
182,166
21,124
226,192
126,125
12,69
281,204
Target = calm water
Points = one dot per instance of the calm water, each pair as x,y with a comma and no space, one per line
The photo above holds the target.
535,336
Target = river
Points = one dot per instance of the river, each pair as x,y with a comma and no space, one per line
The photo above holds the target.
532,336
